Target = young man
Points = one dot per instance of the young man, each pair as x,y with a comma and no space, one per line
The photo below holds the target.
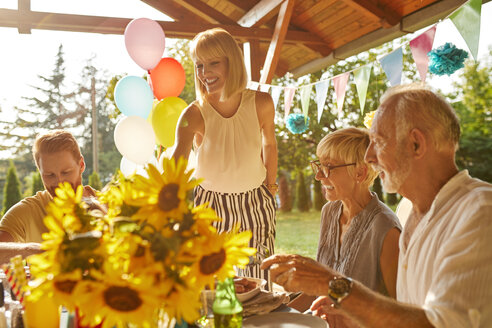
445,262
58,159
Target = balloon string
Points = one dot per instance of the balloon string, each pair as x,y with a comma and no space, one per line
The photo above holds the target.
149,80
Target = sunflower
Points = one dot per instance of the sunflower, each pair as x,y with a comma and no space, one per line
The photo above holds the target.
115,299
217,256
60,287
183,303
163,195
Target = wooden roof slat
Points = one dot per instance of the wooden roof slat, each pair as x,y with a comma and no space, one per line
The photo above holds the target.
275,48
410,23
203,8
387,16
176,12
260,13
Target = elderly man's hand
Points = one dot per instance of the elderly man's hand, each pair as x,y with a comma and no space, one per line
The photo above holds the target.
298,273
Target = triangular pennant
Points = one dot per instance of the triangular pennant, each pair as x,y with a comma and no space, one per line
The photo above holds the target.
276,95
467,21
305,98
289,93
392,65
361,78
420,47
321,92
264,87
340,84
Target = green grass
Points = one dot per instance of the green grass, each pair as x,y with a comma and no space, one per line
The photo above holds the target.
297,233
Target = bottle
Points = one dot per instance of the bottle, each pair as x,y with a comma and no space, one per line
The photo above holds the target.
228,311
3,318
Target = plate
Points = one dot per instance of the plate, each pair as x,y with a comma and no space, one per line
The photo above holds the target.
260,284
284,320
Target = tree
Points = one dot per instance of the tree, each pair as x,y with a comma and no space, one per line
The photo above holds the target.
33,184
319,199
473,107
94,181
48,109
11,190
302,199
284,193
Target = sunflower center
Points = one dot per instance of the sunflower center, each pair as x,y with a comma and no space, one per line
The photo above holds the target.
122,299
65,286
212,263
168,197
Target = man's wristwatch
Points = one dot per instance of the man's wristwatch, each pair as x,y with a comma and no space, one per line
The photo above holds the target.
339,289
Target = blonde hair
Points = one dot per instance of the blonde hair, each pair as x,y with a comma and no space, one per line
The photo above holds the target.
215,43
348,145
55,141
415,106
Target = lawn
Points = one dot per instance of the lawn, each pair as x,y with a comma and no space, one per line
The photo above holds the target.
297,233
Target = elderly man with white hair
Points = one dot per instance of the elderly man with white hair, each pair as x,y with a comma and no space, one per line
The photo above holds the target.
445,262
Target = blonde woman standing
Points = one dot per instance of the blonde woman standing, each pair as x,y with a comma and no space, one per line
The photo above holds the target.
232,131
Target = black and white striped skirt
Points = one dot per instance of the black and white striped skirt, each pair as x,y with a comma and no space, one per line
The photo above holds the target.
254,210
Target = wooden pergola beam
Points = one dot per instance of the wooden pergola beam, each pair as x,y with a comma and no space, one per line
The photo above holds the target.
385,15
279,35
24,7
112,25
260,13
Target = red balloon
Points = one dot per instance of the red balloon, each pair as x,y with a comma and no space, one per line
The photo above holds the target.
168,78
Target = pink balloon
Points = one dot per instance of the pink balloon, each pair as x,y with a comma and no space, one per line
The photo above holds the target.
145,42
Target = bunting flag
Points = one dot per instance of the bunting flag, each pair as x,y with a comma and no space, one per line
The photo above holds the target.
467,21
305,98
361,77
321,92
276,90
288,97
420,47
392,65
340,84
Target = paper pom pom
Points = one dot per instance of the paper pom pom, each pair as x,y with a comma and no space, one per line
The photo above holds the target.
296,123
446,59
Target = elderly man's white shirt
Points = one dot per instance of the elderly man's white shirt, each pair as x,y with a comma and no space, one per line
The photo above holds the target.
447,267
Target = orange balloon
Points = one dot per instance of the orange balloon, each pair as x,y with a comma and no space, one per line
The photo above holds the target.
168,78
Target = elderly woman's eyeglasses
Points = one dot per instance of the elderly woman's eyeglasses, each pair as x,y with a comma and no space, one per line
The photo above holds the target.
325,169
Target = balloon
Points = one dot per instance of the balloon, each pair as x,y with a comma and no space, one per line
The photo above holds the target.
168,78
165,117
128,167
133,96
145,42
41,313
134,139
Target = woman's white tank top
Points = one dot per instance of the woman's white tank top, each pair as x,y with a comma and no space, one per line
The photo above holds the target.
229,157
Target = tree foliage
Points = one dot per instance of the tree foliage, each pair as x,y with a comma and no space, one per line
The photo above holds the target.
95,181
11,189
474,108
302,199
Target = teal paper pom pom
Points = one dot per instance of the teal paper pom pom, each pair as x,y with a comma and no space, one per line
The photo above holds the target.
296,123
446,59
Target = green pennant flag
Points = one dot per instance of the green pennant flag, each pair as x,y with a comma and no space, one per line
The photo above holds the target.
361,77
305,98
467,21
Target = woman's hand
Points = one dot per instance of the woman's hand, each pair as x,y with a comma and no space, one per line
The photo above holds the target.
298,273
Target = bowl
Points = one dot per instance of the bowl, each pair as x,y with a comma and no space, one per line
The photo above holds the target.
260,284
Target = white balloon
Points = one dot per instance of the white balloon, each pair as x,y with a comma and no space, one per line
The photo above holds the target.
128,167
135,139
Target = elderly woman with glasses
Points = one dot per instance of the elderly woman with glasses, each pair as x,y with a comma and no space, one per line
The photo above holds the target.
359,234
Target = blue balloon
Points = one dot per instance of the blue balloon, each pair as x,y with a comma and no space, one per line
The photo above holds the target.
133,96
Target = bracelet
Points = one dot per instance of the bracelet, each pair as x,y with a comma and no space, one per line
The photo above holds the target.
272,186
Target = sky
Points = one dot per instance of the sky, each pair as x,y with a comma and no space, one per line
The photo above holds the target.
25,56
